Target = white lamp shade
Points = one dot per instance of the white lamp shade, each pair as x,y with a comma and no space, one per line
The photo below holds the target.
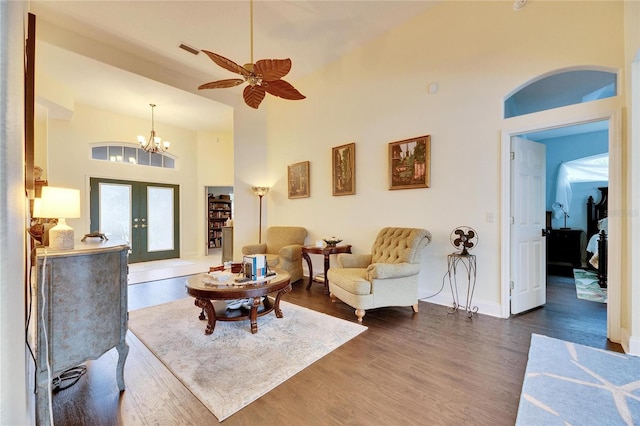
59,203
37,205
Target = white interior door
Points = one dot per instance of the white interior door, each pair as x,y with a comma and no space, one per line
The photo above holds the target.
528,244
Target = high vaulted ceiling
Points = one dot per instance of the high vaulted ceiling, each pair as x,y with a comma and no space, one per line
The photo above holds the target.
100,49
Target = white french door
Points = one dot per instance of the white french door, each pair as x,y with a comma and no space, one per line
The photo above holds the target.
144,214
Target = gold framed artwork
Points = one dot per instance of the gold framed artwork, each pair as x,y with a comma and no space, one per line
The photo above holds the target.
410,163
344,169
298,179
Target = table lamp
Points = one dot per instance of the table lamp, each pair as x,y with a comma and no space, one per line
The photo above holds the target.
40,229
61,203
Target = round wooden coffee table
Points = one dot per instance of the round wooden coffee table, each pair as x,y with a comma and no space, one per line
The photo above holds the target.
212,299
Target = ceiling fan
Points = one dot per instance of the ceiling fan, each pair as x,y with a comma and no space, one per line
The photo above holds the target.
263,76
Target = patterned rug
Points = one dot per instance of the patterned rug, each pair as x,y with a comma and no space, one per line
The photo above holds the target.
570,384
231,368
587,286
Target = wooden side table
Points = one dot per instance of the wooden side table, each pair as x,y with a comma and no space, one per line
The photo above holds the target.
327,252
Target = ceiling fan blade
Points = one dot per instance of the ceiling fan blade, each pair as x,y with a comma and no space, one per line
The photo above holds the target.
222,84
282,89
272,69
227,64
253,95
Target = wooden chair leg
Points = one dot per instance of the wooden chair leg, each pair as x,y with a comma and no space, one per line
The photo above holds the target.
415,308
360,314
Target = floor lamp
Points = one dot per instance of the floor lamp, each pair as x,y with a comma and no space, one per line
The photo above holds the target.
260,191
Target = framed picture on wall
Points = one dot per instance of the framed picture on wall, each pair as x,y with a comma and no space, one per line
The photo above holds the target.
298,180
344,169
410,163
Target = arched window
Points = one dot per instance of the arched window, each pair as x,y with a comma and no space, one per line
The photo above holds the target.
561,89
131,154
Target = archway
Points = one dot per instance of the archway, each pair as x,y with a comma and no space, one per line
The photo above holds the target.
561,117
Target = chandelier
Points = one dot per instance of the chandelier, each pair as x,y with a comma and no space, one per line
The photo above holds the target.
154,144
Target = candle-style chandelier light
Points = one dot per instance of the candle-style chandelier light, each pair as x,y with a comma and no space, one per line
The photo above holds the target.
154,144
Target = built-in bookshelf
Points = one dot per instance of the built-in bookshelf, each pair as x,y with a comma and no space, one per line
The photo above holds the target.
219,210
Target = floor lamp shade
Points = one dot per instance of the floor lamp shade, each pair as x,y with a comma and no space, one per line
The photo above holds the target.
61,203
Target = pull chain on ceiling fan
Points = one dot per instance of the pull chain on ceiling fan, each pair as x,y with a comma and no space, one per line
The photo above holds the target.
264,76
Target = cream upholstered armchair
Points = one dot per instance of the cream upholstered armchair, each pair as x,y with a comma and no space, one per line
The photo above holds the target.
386,277
283,247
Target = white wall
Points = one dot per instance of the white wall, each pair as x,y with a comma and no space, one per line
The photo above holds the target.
214,168
250,165
70,164
14,380
630,318
477,52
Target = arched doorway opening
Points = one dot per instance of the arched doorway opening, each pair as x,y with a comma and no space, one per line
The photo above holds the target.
563,117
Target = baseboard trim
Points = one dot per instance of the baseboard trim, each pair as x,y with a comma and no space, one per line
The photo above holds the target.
630,344
484,307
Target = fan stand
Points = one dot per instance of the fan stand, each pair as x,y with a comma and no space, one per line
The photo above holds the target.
464,252
466,262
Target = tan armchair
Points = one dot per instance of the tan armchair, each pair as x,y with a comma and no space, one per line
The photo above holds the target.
386,277
283,247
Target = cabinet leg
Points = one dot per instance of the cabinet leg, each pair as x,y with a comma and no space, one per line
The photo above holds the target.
123,351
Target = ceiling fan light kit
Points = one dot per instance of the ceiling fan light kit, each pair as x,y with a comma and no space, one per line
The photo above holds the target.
263,76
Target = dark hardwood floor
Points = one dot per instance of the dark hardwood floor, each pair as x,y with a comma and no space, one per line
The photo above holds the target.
429,368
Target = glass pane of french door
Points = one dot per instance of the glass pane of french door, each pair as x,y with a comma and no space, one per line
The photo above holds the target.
144,214
115,211
159,213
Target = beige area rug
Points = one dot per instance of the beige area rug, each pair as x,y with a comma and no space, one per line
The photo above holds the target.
231,368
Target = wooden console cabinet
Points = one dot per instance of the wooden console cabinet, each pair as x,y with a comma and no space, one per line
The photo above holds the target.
564,250
80,303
